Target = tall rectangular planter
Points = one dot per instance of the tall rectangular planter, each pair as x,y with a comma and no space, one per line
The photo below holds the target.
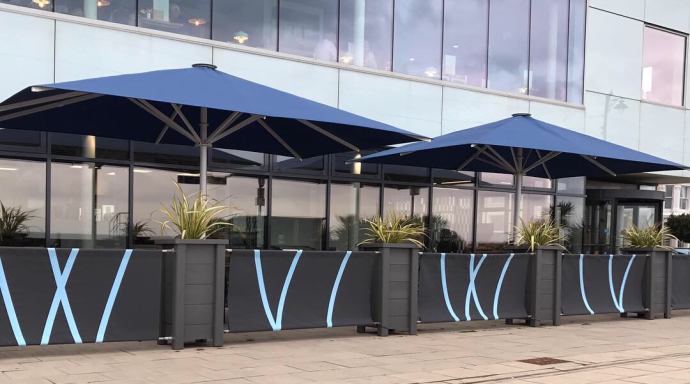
194,278
544,285
394,287
658,273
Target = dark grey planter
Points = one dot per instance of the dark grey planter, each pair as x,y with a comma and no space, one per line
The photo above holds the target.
657,280
544,285
194,278
394,287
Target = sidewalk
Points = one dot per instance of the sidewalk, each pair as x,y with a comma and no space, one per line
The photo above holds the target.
597,349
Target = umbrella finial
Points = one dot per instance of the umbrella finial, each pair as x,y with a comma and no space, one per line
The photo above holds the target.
522,114
203,65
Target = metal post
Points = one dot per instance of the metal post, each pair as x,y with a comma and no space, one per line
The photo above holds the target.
203,147
518,192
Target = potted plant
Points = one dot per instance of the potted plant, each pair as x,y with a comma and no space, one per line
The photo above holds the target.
544,239
13,228
194,272
397,239
650,241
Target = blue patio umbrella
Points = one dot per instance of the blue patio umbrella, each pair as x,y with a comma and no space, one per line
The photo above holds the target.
523,146
199,106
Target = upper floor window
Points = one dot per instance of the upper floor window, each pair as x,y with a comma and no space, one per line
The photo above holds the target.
366,33
248,22
309,28
684,197
417,37
663,66
187,17
116,11
668,197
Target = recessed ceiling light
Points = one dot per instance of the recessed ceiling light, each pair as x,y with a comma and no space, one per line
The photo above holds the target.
76,166
111,173
455,46
188,174
7,169
142,171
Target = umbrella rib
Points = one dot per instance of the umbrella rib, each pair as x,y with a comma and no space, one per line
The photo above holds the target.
146,106
178,109
328,134
221,128
541,161
42,108
501,159
165,129
497,165
49,99
598,164
236,128
280,139
546,169
469,160
512,153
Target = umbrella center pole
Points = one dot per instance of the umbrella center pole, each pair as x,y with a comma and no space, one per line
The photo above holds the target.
203,152
518,193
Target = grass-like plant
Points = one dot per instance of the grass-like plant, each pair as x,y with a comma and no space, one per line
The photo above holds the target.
13,220
539,232
199,220
651,237
394,228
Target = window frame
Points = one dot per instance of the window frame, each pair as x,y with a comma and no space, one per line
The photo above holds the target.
685,63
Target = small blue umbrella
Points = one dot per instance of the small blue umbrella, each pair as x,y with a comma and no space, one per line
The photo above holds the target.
523,146
199,106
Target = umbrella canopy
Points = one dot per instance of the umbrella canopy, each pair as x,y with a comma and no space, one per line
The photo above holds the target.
199,106
523,146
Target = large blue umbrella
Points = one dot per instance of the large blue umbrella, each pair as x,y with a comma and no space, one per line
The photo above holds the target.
200,106
523,146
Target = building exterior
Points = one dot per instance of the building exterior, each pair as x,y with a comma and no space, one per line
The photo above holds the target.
612,69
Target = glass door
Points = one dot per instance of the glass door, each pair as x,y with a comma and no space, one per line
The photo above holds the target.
627,214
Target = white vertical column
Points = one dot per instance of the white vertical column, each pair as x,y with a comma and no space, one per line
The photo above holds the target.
359,29
162,6
91,9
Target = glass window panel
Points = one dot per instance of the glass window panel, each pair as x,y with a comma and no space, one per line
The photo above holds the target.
576,50
536,182
90,147
494,220
663,65
366,33
452,221
186,17
309,28
89,205
409,201
45,5
417,37
406,174
569,213
536,207
509,45
312,164
497,179
465,41
116,11
350,205
20,138
448,177
234,158
575,185
23,191
299,215
549,49
248,22
166,154
354,168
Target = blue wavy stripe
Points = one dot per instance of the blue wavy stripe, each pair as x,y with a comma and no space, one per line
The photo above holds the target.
60,297
113,295
500,284
9,307
472,290
334,291
582,286
276,323
445,288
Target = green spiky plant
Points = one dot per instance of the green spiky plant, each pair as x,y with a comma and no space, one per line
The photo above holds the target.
394,228
194,216
539,232
651,237
13,221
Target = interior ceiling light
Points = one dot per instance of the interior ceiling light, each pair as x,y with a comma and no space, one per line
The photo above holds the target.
346,58
241,37
142,171
7,169
41,3
431,72
103,3
197,22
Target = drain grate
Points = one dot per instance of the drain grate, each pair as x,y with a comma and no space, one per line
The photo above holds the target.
543,361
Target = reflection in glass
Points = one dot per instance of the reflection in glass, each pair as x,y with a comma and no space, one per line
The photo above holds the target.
405,174
569,212
448,177
509,45
299,215
494,220
20,138
350,205
90,147
452,220
409,201
663,63
576,50
116,11
89,205
536,182
312,164
187,17
597,234
417,37
309,28
235,158
22,197
44,5
465,40
575,185
549,49
166,154
535,208
366,33
248,22
498,179
343,165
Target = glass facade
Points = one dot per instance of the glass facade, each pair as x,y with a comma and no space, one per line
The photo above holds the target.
23,202
494,220
533,47
351,205
451,224
298,219
663,66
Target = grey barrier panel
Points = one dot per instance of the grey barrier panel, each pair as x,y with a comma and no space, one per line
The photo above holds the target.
55,296
394,287
276,290
658,274
594,284
681,282
544,287
463,287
